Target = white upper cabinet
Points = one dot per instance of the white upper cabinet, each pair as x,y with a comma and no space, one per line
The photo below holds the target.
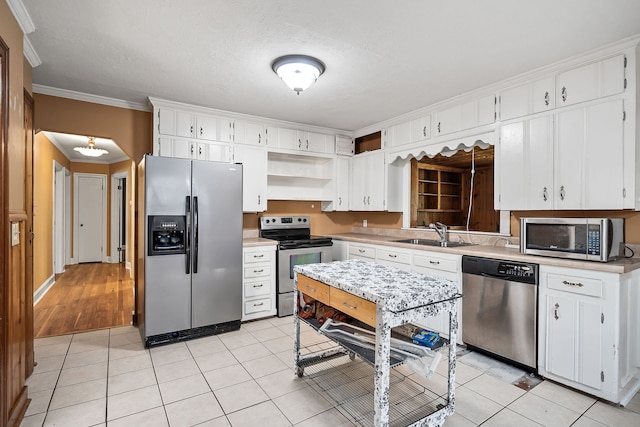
591,81
206,127
185,124
315,142
254,177
368,182
399,134
448,121
529,98
291,139
340,201
249,133
166,121
345,146
421,128
470,114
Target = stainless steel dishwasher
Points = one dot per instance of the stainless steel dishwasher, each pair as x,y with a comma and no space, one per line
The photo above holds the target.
499,308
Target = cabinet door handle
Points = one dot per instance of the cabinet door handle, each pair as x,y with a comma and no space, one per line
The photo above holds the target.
438,127
191,130
424,131
546,98
259,199
259,138
361,251
577,284
564,94
258,256
191,148
434,262
200,130
562,194
352,307
555,311
258,286
258,305
544,194
200,151
339,201
307,144
299,143
364,200
369,200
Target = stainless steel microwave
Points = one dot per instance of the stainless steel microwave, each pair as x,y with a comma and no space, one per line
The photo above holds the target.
589,239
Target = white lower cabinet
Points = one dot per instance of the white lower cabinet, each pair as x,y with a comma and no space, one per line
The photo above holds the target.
437,264
258,282
582,331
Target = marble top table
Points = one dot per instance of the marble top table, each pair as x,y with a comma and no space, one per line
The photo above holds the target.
400,297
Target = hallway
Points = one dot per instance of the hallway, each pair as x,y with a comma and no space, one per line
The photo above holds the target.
86,297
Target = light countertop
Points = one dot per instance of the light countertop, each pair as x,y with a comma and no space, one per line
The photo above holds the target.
389,287
500,252
257,241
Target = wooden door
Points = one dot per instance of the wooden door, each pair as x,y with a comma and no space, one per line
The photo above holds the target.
6,400
90,218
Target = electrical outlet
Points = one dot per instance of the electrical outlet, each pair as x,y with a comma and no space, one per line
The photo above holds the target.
364,222
15,234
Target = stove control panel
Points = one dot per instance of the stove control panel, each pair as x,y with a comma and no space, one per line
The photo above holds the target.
279,222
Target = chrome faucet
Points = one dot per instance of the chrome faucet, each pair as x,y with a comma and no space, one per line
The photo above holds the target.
441,229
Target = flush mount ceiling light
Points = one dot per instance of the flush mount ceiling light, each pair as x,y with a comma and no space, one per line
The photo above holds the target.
298,71
90,150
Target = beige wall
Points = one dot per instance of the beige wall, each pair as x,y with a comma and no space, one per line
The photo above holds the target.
130,129
325,222
44,153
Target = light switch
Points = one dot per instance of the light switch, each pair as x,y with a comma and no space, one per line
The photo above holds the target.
15,233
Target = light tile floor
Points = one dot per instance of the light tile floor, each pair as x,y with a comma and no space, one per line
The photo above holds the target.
244,378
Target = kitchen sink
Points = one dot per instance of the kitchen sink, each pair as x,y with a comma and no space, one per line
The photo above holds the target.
429,242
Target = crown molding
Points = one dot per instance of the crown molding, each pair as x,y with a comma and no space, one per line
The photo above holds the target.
30,53
22,16
86,97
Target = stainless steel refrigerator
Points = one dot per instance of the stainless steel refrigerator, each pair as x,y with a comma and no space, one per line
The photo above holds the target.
189,273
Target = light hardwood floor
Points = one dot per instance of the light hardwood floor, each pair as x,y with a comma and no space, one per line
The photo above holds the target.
86,297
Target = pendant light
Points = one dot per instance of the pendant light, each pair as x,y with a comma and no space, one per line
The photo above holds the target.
90,149
298,71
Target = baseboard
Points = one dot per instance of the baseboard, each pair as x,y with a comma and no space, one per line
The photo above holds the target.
43,289
73,261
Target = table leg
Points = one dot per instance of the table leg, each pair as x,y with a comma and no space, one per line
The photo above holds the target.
296,335
381,372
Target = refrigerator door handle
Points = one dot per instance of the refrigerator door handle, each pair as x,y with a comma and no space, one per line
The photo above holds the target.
195,232
188,243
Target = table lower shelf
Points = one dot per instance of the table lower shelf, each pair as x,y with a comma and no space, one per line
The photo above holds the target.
367,354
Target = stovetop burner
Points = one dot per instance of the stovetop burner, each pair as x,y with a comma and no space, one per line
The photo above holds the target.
292,232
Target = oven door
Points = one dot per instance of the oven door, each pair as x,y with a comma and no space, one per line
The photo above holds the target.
289,258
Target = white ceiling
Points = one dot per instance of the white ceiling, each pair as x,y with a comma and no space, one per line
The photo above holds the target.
383,58
66,143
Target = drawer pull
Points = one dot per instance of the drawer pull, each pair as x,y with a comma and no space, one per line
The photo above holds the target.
258,256
434,262
309,288
393,256
259,271
555,312
352,307
258,286
361,251
258,305
578,284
